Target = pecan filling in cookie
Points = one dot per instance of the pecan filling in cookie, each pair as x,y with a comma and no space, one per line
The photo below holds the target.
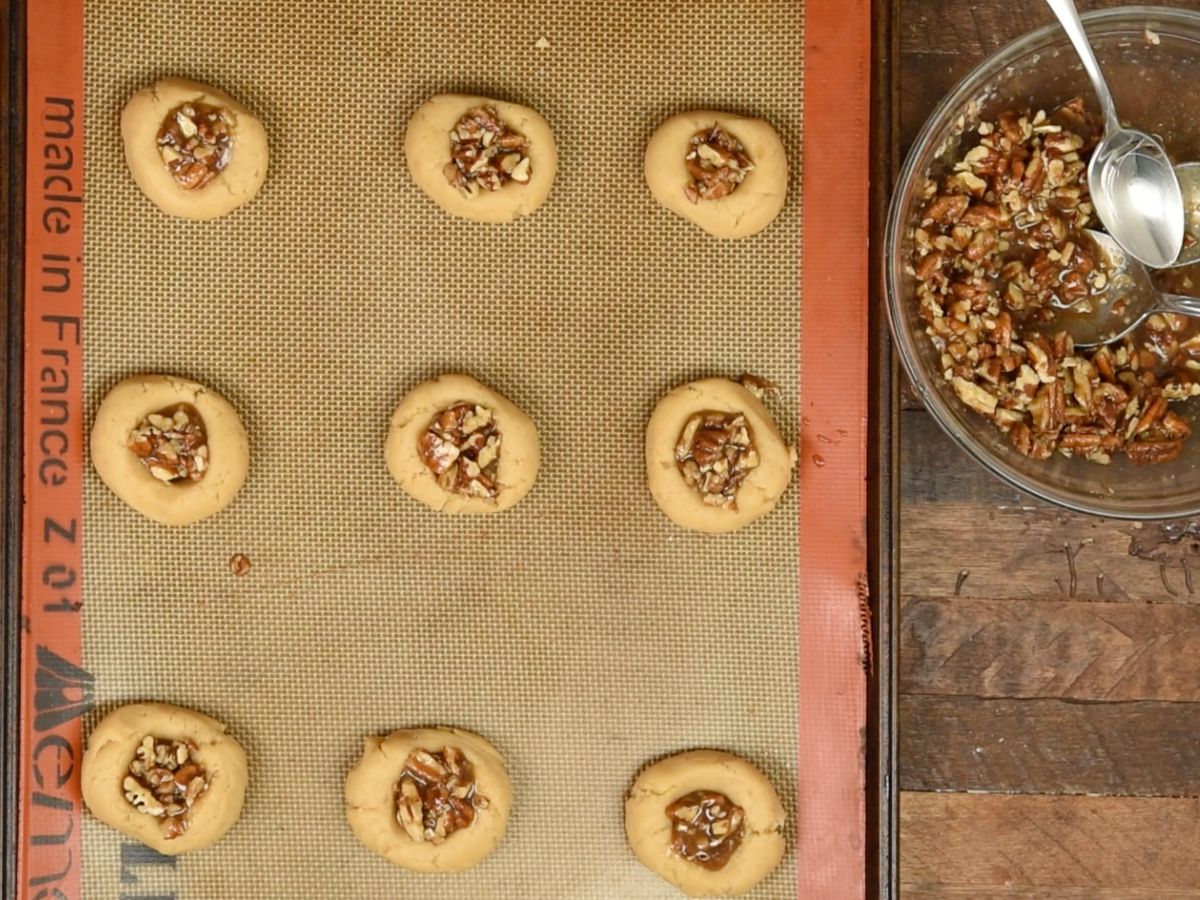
485,154
717,162
195,143
437,795
164,780
462,448
706,828
715,453
171,444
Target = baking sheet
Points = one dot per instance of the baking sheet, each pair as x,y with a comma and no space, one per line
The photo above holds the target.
581,632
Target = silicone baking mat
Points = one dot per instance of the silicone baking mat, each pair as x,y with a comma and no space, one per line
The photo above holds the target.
581,632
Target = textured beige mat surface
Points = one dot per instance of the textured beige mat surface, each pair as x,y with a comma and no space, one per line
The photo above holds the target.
581,632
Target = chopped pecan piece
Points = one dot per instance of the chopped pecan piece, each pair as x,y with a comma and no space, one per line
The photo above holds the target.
437,794
485,154
760,387
196,143
717,162
715,453
706,828
171,444
164,780
1160,451
461,447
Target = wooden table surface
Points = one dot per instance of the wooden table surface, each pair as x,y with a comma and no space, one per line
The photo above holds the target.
1049,684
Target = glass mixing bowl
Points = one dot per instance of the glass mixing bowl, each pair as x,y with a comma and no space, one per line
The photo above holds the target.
1151,57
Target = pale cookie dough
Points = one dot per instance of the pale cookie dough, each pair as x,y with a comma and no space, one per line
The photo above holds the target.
766,464
713,798
200,489
430,799
223,171
751,206
172,778
433,134
507,455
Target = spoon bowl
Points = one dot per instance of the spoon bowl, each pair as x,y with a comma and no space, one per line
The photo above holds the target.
1189,183
1130,177
1129,299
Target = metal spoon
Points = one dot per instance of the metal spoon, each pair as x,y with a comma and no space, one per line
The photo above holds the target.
1130,299
1131,179
1189,183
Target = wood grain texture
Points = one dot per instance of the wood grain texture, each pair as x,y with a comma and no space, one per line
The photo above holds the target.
942,40
966,533
1069,649
983,844
1043,655
972,31
1142,749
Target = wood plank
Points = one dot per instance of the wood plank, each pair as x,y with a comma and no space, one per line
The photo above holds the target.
980,843
942,40
1069,649
975,30
966,533
1141,749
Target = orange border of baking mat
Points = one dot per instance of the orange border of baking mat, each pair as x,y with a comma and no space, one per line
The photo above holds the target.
55,691
831,843
831,801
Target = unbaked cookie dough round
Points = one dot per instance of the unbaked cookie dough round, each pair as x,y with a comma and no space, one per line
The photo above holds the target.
172,778
707,821
479,158
460,447
193,150
172,449
715,461
429,799
726,173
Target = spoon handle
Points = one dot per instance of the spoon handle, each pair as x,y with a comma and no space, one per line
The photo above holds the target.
1179,303
1068,17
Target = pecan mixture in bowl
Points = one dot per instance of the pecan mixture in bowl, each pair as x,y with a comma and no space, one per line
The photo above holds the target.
171,444
707,828
715,453
461,447
1001,266
485,154
717,162
437,795
195,143
164,781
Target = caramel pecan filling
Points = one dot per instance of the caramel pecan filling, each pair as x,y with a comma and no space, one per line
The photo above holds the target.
195,143
171,444
485,154
1000,266
461,447
717,162
706,828
437,795
715,453
164,781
